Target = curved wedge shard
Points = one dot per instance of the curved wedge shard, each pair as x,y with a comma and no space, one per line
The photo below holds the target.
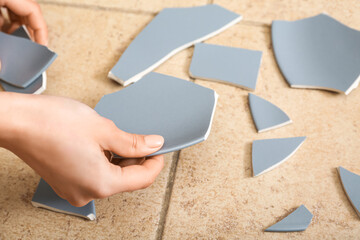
178,110
351,184
172,30
266,115
38,85
22,61
318,52
235,66
269,153
45,197
297,221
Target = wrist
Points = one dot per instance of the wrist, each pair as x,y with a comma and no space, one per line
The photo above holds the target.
9,128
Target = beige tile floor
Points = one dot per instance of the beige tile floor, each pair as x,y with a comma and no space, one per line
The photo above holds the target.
206,191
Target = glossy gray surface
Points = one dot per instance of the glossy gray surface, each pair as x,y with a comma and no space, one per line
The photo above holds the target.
45,197
269,153
22,61
36,86
235,66
317,52
266,115
178,110
351,184
172,30
297,221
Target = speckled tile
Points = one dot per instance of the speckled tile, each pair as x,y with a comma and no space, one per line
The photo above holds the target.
260,11
88,43
214,194
139,6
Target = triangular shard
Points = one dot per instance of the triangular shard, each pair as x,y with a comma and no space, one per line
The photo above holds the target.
351,184
269,153
22,61
171,31
297,221
178,110
318,52
266,115
36,87
235,66
45,197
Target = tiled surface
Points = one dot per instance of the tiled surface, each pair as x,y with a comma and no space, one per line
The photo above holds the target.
88,43
214,195
139,6
261,11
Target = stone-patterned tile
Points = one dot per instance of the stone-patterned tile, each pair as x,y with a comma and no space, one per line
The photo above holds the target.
266,11
215,195
134,6
88,42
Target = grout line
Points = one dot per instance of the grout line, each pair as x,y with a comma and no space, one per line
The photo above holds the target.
94,7
167,198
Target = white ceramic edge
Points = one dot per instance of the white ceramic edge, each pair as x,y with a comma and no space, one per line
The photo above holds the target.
352,204
282,161
275,126
173,52
39,205
216,96
220,81
353,86
43,87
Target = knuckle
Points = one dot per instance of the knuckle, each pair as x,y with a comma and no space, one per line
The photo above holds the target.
100,190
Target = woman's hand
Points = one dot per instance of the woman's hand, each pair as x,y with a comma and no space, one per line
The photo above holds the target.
24,12
65,141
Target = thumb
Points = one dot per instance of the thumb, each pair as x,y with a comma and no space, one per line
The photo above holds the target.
133,145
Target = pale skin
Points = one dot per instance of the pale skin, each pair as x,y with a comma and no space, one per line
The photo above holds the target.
65,141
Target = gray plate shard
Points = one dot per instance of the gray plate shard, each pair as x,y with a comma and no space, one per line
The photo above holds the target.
178,110
318,52
266,115
172,30
22,61
297,221
235,66
351,184
269,153
36,87
45,197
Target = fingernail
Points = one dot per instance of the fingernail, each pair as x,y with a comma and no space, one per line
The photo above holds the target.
154,141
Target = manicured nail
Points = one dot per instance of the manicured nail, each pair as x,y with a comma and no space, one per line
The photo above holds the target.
154,141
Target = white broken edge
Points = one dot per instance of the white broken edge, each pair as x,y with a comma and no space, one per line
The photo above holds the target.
90,217
173,52
352,87
43,86
221,81
352,204
275,126
216,96
282,161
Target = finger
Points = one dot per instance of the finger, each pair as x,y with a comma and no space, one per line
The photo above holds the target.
127,162
13,27
137,177
131,145
31,11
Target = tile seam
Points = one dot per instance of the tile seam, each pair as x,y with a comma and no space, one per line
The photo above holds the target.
94,7
167,197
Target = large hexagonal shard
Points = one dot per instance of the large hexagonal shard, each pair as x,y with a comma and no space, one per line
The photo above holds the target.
178,110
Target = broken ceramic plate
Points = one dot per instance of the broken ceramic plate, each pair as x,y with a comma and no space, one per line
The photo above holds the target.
178,110
36,87
172,30
236,66
22,61
318,52
351,184
266,115
45,197
297,221
269,153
